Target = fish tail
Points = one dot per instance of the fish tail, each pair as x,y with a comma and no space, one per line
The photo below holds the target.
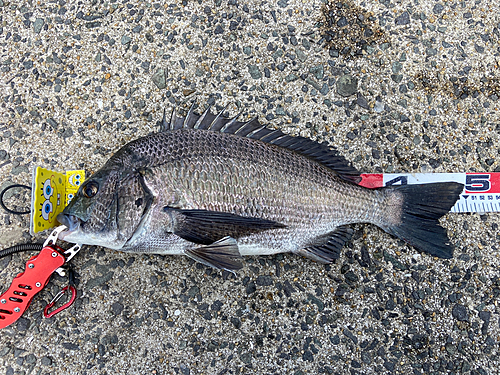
414,211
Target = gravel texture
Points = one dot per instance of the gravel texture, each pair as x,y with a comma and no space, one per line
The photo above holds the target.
396,85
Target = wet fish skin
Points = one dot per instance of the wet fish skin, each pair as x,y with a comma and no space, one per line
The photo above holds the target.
173,191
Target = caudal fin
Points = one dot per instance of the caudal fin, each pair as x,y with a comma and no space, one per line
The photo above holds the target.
422,206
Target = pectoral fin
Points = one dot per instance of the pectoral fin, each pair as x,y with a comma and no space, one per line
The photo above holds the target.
205,227
223,254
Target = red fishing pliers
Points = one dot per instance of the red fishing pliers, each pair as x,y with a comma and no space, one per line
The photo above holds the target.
39,268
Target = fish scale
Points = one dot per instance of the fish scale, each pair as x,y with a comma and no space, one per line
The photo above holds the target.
214,189
281,179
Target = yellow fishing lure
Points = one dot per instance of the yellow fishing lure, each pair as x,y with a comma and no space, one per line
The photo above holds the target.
51,192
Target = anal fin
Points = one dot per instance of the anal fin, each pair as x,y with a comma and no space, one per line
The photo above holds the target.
222,254
328,251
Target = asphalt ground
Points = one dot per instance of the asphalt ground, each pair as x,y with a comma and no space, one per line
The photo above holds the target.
396,86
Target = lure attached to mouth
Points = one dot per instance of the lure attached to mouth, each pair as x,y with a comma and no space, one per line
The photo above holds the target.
51,192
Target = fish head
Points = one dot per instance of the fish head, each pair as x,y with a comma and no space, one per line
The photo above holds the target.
107,209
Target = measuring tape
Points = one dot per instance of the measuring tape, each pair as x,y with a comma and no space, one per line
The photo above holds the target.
481,190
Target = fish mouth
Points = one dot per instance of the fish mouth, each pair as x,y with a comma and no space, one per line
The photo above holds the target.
71,222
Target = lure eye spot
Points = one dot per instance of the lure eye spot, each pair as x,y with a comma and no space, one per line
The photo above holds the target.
90,189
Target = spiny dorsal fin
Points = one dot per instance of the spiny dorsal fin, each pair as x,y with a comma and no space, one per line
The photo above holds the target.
320,152
176,122
203,119
190,118
219,121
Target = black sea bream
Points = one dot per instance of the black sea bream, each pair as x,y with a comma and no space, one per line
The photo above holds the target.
215,189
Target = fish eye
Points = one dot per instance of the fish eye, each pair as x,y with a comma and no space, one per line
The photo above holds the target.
90,189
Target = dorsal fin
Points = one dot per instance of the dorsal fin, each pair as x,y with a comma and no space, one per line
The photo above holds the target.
219,121
203,119
190,118
176,122
320,152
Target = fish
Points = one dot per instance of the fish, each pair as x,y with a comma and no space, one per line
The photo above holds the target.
216,189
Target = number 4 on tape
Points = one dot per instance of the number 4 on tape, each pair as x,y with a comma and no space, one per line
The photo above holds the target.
481,192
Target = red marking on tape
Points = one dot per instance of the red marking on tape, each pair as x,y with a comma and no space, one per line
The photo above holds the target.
372,180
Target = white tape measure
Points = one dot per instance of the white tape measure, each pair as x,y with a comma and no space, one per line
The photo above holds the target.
481,190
